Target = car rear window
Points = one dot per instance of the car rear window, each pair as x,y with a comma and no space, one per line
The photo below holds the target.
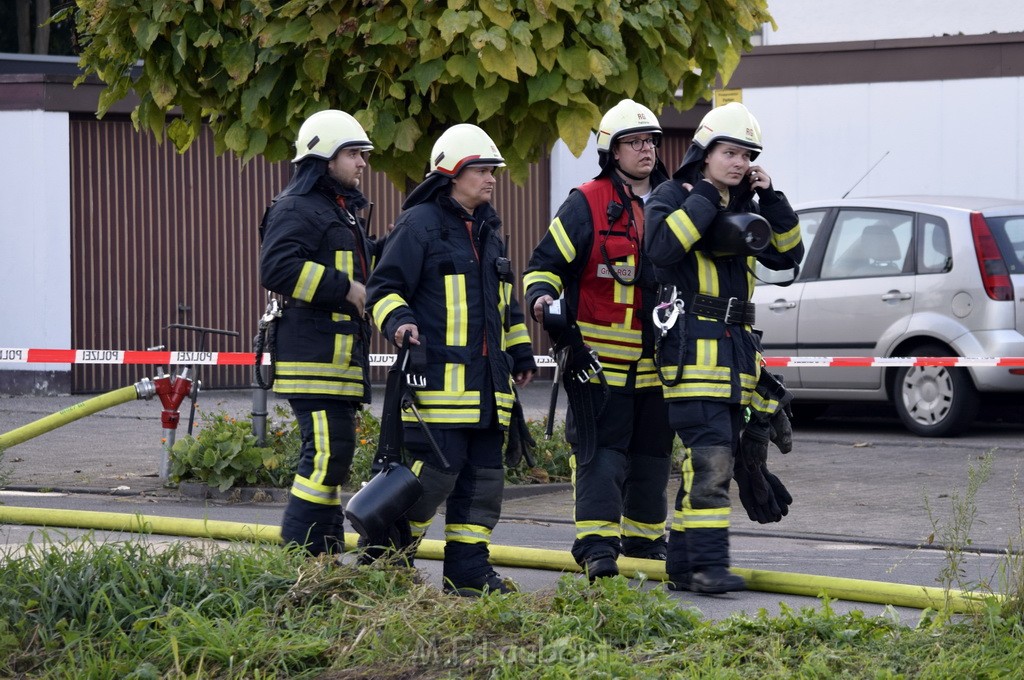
1009,235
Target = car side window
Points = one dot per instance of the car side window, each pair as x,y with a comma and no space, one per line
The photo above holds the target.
867,243
810,221
934,254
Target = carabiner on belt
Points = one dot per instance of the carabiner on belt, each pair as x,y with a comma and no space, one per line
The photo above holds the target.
667,313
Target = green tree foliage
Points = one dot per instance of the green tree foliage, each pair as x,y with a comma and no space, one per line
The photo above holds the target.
527,71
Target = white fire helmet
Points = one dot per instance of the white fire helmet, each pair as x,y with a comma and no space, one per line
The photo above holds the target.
625,118
326,132
731,123
460,146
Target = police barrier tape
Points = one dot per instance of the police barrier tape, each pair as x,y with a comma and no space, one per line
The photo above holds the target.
21,355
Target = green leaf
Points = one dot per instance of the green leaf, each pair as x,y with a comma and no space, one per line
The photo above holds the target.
575,61
406,134
209,38
574,128
465,101
498,11
496,62
238,57
237,137
146,32
600,66
490,100
454,23
163,91
181,135
396,91
526,60
323,25
543,86
551,35
424,75
464,68
293,31
315,64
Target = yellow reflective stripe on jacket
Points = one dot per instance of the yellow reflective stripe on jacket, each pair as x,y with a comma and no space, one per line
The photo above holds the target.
385,306
682,227
551,279
647,374
787,240
596,527
290,369
616,342
677,521
311,491
344,260
301,377
517,335
451,407
467,533
504,402
343,349
457,317
705,518
634,529
454,378
309,279
562,240
707,275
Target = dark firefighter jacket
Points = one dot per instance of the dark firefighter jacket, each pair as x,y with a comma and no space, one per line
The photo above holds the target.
313,246
719,362
591,232
433,274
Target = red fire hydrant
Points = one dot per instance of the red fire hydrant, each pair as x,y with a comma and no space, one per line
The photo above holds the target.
172,391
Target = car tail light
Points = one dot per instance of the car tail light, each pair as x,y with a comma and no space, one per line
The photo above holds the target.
994,274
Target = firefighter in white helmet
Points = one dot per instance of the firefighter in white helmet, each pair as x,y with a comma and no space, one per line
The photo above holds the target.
592,257
709,356
316,255
445,278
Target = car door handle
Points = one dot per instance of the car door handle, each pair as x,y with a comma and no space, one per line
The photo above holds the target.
895,295
781,304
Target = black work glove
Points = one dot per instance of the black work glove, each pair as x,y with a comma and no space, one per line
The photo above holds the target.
757,494
781,430
754,443
520,442
782,496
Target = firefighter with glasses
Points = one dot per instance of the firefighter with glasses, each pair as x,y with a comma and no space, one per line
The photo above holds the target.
445,279
592,261
706,230
316,254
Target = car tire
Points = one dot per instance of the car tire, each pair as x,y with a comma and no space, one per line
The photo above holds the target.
935,401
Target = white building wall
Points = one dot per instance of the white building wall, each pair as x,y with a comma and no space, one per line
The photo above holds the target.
953,137
35,233
813,21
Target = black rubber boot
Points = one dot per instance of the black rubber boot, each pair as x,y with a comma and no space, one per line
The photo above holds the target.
600,566
490,582
715,580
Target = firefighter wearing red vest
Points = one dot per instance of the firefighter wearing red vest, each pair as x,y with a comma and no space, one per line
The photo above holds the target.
316,254
592,257
710,354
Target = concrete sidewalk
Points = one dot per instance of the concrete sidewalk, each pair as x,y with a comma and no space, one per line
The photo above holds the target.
121,446
873,484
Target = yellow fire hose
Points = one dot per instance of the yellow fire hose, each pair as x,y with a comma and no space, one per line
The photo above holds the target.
73,413
809,585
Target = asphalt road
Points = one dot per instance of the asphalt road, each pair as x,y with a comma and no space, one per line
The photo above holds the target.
871,500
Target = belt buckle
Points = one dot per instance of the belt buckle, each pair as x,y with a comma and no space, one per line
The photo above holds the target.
728,311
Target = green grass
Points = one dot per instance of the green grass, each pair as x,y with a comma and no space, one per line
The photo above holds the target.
192,610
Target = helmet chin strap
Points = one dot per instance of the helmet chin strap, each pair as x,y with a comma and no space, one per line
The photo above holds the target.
618,168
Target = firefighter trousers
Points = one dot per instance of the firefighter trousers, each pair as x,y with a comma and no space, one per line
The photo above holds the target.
620,493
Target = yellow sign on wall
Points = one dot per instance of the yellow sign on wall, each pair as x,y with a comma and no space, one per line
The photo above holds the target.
721,97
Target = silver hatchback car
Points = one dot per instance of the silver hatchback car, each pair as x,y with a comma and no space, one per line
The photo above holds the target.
903,276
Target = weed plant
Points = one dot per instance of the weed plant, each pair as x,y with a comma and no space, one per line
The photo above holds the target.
195,610
224,454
